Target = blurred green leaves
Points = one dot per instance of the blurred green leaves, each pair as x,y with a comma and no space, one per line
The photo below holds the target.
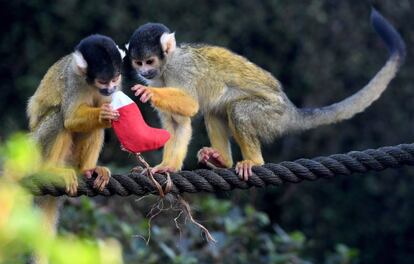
22,226
240,230
21,157
321,51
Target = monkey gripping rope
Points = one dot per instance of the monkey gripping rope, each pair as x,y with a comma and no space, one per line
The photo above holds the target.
203,180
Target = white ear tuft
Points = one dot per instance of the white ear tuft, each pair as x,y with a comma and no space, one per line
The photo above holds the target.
127,46
168,42
79,63
121,51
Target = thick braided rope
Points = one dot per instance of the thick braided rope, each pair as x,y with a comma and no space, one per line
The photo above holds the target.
203,180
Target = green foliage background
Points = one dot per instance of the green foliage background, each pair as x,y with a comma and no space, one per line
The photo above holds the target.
322,51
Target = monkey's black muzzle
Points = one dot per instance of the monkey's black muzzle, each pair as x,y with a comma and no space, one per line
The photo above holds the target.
149,74
107,91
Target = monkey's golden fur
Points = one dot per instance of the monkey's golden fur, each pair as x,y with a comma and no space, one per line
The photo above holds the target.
174,101
218,70
65,119
232,71
239,99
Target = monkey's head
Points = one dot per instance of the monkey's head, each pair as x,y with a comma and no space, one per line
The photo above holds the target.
99,60
148,49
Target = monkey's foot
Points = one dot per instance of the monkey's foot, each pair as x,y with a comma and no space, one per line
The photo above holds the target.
71,181
163,169
102,179
244,169
211,158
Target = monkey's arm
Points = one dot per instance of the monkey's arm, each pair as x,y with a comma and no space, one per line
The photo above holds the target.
86,118
172,100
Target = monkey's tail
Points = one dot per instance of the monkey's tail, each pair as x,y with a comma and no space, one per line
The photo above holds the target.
345,109
49,207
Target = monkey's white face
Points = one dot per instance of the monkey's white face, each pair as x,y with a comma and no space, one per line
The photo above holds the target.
107,87
148,68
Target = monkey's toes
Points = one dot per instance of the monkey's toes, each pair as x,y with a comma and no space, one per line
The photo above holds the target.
244,169
71,182
211,157
102,179
163,169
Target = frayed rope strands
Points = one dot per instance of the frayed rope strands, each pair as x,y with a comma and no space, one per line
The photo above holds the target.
203,180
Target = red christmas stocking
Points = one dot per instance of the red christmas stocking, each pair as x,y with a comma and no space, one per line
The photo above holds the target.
132,131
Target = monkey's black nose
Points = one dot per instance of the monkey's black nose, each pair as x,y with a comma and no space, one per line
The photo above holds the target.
107,91
149,74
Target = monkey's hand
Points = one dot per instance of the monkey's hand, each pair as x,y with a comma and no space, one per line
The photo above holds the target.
168,99
211,158
244,169
102,178
107,114
145,92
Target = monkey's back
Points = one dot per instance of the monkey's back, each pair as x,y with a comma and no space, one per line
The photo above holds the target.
219,77
235,70
48,96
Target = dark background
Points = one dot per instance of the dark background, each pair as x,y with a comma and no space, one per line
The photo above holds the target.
321,51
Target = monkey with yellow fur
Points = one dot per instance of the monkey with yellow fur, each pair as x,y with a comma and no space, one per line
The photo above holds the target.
236,97
68,114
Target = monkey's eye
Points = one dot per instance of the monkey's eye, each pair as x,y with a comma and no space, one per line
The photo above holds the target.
116,78
149,62
103,82
139,63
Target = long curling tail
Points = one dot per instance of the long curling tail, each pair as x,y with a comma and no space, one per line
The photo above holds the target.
345,109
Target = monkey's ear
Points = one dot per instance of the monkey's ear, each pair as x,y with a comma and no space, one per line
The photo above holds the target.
168,42
121,51
79,63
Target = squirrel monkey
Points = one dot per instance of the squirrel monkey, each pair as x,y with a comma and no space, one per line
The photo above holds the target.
236,97
69,111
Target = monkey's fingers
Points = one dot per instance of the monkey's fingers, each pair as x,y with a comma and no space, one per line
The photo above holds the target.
115,114
106,117
163,169
109,115
246,172
102,179
72,188
210,155
218,160
106,107
143,92
104,112
137,93
71,182
98,183
107,110
204,154
244,169
137,87
146,96
101,184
